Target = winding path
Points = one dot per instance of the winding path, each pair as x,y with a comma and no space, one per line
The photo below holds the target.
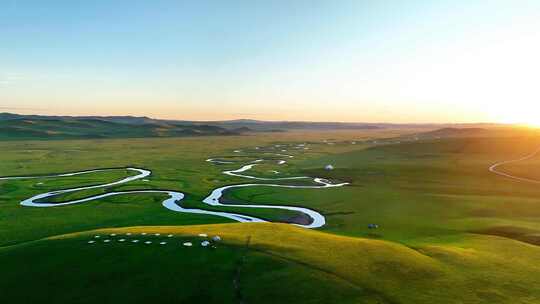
175,197
493,168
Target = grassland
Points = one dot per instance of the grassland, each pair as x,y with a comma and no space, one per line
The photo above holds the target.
449,230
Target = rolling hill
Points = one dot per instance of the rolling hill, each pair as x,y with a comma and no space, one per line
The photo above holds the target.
80,128
17,126
457,132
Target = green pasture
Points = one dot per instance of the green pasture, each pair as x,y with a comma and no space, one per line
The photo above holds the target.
449,230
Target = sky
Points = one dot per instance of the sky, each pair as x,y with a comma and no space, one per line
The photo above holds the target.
345,60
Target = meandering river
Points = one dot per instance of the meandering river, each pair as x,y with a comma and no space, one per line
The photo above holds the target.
174,201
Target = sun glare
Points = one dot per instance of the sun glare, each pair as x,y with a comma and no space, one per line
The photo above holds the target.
526,115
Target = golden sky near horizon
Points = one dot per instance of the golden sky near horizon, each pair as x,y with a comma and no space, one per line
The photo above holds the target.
417,61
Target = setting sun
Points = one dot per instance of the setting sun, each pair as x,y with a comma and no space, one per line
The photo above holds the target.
518,113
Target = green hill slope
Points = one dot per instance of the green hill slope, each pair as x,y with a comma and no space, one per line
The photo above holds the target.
279,264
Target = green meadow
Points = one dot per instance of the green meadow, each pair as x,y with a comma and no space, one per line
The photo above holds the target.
449,231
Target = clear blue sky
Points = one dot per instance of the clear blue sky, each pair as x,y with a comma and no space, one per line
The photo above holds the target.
357,60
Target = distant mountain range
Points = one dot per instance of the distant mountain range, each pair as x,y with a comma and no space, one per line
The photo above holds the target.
260,125
257,125
457,132
17,126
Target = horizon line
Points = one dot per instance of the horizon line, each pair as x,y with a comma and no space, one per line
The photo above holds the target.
278,121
